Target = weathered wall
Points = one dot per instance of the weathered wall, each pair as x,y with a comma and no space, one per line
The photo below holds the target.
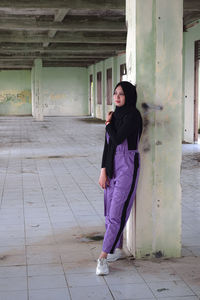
100,111
157,69
100,107
15,92
199,95
64,91
109,64
192,35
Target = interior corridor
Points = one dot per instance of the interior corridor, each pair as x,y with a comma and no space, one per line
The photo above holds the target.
51,207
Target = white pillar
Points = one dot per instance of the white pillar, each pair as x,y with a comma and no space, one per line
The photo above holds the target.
37,105
154,62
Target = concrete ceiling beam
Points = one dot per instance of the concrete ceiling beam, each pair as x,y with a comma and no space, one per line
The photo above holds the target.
68,64
6,12
191,11
58,17
80,25
21,67
62,48
191,5
59,4
64,38
52,57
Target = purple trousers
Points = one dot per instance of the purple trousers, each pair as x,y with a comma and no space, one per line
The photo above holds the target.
119,196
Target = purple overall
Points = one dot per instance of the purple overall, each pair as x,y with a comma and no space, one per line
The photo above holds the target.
119,195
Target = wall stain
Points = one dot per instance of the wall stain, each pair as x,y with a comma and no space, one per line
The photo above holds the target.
147,106
158,254
15,97
3,257
146,123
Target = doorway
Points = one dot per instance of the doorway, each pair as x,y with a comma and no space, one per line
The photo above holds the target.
91,108
196,91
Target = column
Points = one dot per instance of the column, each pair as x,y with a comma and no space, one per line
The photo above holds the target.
37,105
33,90
104,97
154,63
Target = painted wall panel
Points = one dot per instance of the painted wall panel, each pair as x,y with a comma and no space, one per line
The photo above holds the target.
15,92
65,91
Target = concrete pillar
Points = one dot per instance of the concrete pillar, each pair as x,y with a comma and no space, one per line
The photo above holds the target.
94,90
154,62
37,105
103,91
33,90
114,77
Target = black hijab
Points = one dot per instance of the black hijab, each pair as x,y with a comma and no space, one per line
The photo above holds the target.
130,99
118,118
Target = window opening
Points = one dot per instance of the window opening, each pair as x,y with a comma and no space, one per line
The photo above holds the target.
109,86
99,88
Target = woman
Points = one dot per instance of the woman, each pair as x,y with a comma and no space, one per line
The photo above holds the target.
120,170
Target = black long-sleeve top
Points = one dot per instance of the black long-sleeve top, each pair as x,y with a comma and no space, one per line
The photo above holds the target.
130,129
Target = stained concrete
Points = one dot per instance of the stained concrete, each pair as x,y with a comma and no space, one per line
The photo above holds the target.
156,66
51,203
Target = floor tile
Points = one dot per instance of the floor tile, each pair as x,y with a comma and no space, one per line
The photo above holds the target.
131,291
123,277
49,294
86,266
45,269
42,254
62,204
84,279
13,284
90,292
170,289
45,282
12,260
14,295
180,298
157,272
13,271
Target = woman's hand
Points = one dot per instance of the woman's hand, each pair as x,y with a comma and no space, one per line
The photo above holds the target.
109,116
103,179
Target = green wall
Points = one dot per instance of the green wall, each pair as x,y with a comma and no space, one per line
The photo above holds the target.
100,111
192,35
15,92
64,91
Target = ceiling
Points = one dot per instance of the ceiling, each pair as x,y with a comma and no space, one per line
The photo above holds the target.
191,12
66,32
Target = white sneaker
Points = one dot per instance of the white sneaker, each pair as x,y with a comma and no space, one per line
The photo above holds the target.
118,254
102,267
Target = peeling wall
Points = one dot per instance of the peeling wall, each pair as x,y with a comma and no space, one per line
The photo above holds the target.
15,92
64,91
192,35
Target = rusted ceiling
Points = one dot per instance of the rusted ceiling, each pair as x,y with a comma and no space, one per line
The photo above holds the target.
66,32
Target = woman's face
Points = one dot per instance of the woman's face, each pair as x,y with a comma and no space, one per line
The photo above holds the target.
119,97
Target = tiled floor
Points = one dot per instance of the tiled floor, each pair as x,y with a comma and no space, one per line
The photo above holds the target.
48,178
